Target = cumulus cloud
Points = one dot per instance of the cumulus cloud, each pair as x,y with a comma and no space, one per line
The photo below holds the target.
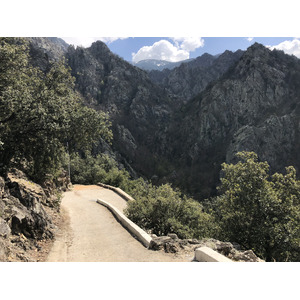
87,41
165,50
249,39
188,43
289,47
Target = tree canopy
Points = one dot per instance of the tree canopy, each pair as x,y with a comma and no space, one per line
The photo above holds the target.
41,112
259,211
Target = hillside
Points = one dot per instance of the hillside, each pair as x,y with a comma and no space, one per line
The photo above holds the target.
253,107
179,125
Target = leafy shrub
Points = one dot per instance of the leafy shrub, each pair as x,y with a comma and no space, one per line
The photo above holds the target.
91,170
164,210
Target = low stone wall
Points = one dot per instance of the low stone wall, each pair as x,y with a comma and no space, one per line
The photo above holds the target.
117,190
205,254
138,232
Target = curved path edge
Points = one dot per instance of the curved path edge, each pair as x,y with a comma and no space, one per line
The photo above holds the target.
117,190
134,229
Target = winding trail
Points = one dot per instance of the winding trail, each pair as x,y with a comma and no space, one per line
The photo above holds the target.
90,233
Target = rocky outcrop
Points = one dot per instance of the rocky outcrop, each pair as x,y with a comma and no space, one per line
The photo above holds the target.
172,244
23,218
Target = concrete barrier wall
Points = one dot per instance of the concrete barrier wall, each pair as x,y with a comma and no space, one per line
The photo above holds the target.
205,254
140,234
117,190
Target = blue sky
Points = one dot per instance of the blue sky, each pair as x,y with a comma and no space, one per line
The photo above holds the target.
177,49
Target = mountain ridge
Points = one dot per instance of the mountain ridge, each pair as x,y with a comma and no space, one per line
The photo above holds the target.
159,65
183,125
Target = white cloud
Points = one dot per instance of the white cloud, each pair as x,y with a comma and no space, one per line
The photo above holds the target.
87,41
165,50
249,39
289,47
188,43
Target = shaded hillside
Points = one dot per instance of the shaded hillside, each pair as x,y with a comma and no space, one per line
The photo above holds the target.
179,125
255,106
191,78
139,109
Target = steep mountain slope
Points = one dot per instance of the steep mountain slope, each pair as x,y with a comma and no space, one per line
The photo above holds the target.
191,78
138,108
43,50
179,125
255,106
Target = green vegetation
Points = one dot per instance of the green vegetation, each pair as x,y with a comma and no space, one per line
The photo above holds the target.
159,209
40,113
87,169
164,210
259,211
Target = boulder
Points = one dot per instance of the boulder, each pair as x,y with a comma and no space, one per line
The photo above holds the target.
159,242
247,255
29,193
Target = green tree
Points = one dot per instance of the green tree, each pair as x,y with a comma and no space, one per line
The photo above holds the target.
258,211
102,168
41,113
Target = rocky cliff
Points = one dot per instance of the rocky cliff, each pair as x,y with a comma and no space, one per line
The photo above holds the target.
179,125
26,211
138,108
44,50
191,78
252,107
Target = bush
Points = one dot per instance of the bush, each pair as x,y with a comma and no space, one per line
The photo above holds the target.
91,170
163,210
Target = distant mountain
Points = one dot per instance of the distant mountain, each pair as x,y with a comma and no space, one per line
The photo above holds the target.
192,77
254,106
138,108
159,65
179,125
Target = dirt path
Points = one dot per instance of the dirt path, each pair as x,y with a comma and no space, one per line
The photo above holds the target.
90,233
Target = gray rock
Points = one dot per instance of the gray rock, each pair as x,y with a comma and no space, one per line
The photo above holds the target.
245,256
173,236
4,228
2,184
159,242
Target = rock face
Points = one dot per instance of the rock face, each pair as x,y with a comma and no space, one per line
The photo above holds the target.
44,50
255,106
191,78
155,64
179,125
23,218
138,108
